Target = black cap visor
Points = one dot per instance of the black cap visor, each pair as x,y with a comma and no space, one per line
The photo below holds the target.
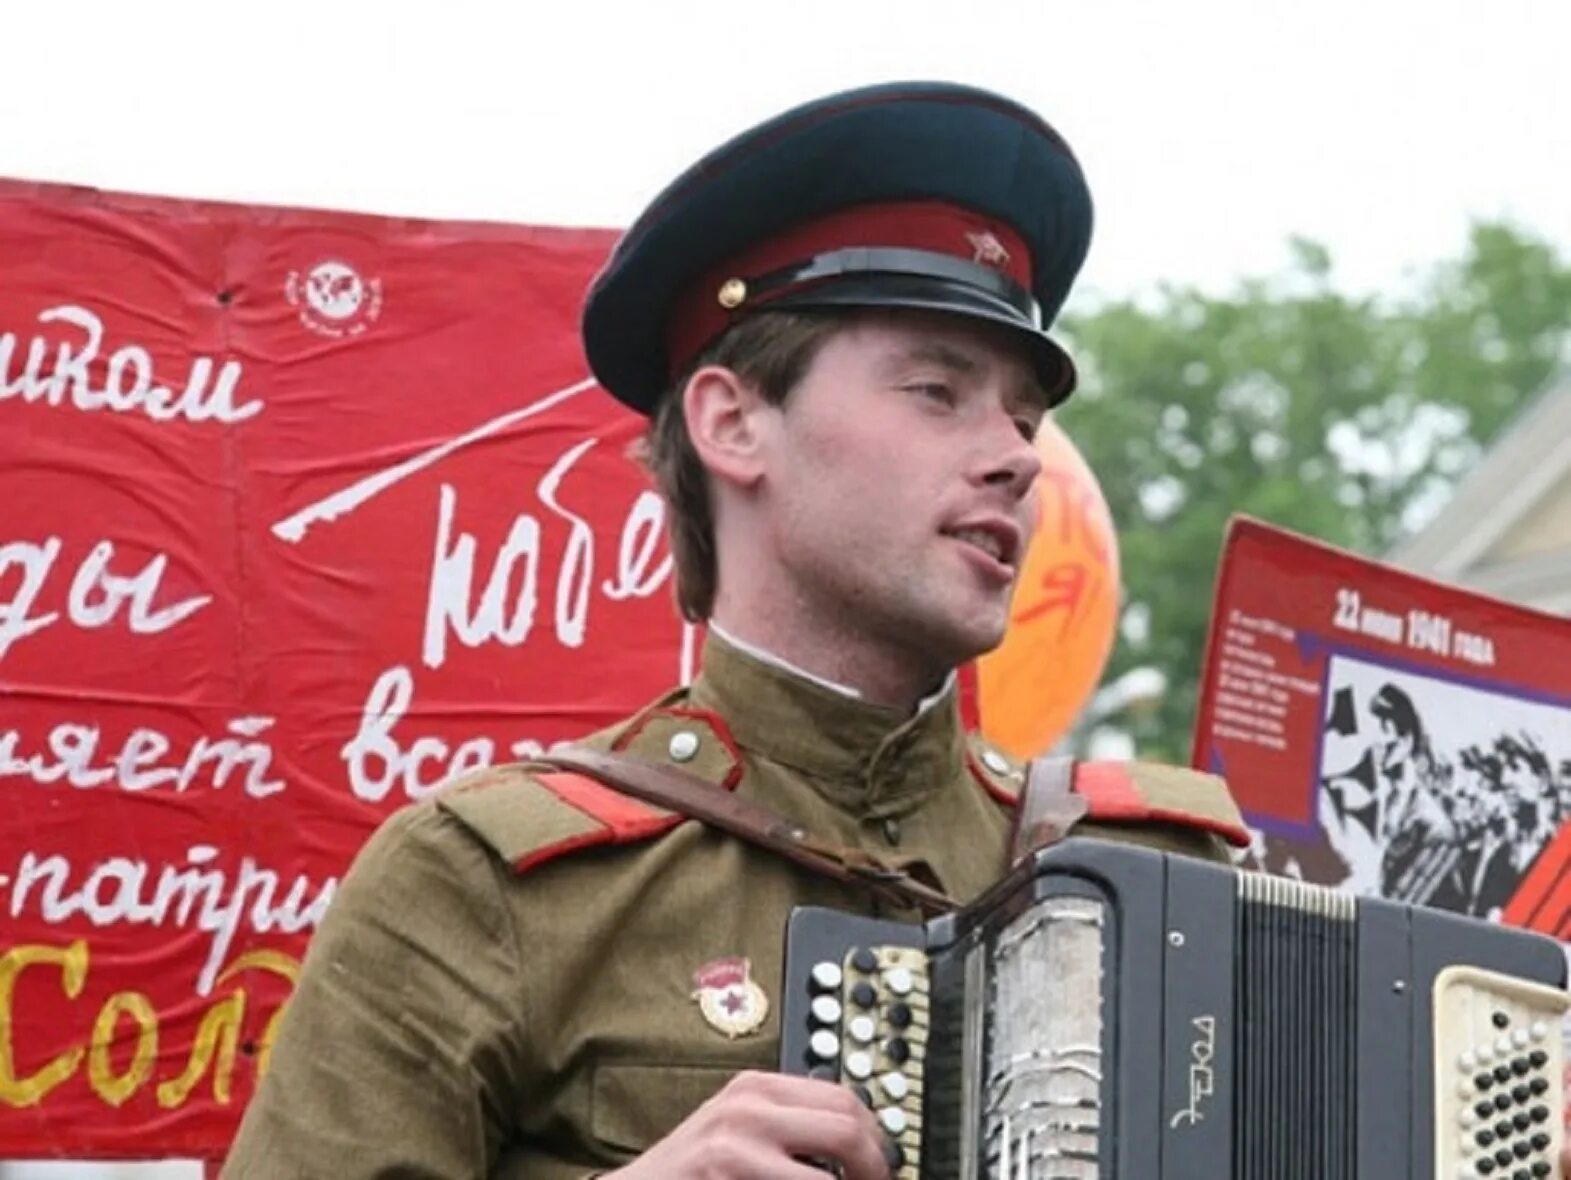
1055,372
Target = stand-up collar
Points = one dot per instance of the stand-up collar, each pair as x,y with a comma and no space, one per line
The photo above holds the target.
865,757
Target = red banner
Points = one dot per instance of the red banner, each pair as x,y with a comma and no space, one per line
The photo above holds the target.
303,514
1391,735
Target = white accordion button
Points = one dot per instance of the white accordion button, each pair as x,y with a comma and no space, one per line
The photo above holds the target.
827,976
1540,1030
1503,1046
895,1085
1467,1062
1519,1038
684,746
859,1065
862,1028
824,1045
899,980
893,1119
826,1010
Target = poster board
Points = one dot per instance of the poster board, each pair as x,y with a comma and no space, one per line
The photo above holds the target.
303,514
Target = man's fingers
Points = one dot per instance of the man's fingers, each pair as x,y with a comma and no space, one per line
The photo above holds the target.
849,1137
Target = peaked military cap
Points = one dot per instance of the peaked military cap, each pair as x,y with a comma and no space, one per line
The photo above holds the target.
923,195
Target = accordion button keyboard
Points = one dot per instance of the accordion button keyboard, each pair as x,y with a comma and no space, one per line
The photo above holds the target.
1503,1025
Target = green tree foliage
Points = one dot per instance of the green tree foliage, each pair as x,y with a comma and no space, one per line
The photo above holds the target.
1345,418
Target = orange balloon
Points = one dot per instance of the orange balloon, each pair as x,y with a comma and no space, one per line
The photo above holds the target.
1033,685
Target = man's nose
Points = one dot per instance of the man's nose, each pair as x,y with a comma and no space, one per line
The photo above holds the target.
1012,460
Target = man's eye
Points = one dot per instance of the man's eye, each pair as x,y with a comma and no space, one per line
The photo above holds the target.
935,391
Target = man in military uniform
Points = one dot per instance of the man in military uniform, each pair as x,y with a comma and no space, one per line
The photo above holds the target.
837,324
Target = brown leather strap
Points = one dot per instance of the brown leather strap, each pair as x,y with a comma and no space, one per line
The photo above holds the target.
689,795
1049,807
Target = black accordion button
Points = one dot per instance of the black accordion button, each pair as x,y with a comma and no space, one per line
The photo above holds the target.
1539,1113
899,1015
1484,1137
1538,1059
1538,1085
1502,1100
1485,1166
1540,1141
1521,1121
1502,1073
864,961
894,1155
1484,1109
1520,1066
1503,1157
1521,1092
897,1050
1521,1174
1522,1148
1501,1019
863,995
1541,1168
1484,1080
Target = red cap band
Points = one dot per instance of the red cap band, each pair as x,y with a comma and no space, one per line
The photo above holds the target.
699,315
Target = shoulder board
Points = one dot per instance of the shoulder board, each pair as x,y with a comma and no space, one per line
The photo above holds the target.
1146,792
530,814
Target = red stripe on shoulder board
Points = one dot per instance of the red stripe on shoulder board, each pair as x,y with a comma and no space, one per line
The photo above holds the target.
1111,794
1110,791
626,817
622,819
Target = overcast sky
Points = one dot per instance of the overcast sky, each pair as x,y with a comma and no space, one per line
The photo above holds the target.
1211,130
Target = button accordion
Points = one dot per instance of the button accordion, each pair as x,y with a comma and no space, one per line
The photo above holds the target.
1112,1012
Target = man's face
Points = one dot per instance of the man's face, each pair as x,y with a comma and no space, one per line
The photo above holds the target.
1396,747
900,489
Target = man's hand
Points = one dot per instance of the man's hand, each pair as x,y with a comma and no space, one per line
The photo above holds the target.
762,1126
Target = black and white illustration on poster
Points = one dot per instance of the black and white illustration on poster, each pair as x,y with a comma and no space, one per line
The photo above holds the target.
1435,791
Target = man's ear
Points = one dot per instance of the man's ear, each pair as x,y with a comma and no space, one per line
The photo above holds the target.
724,415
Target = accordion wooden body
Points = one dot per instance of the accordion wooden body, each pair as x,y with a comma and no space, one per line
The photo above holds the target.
1108,1012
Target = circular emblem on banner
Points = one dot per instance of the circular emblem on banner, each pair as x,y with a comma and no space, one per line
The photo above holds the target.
334,299
729,999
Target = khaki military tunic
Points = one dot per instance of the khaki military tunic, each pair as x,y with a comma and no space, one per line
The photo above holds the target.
502,989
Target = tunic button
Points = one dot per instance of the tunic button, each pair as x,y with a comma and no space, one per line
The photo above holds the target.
892,830
995,762
684,746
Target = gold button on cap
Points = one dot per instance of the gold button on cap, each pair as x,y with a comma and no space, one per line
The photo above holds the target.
733,292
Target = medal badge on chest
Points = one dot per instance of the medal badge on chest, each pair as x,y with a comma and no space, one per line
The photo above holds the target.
729,999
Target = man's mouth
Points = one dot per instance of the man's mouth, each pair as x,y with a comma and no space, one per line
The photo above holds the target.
999,541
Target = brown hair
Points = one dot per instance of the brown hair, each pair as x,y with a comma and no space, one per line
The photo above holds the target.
769,350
